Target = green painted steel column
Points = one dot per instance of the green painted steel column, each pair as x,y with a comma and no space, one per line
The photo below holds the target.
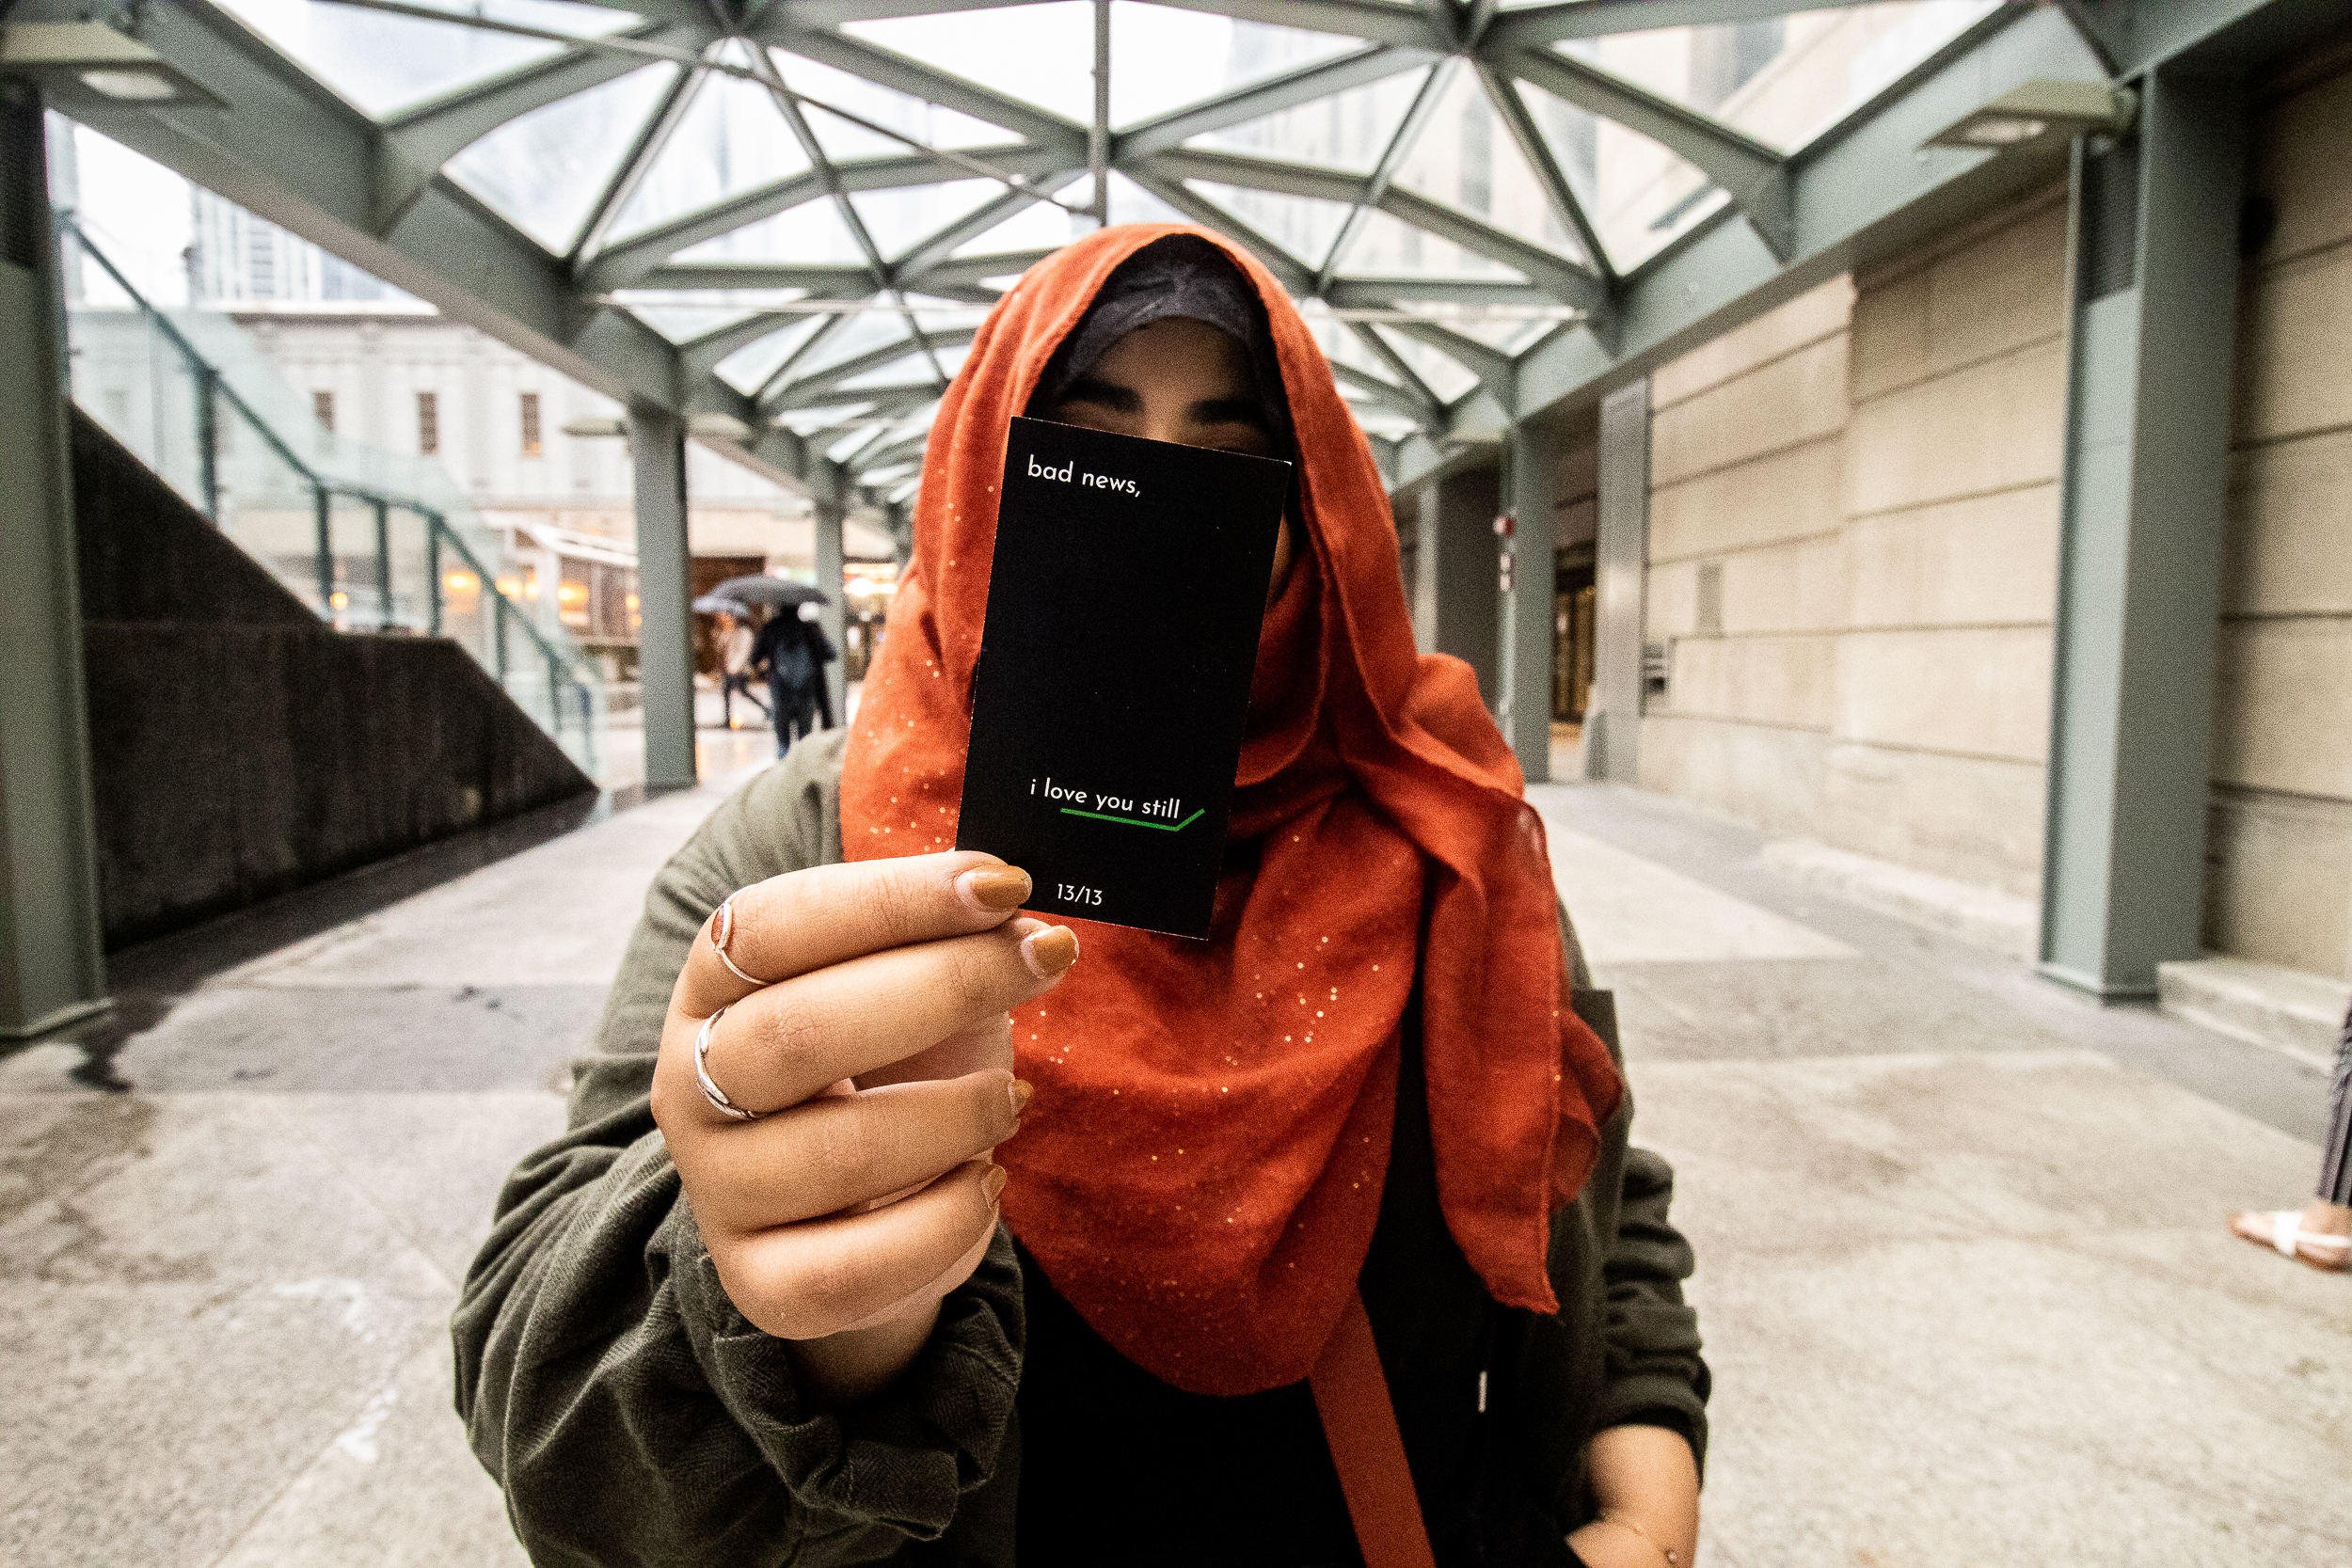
2147,468
1454,572
828,517
53,968
1524,607
665,645
1612,722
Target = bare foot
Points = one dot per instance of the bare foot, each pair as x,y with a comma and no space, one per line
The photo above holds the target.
2320,1237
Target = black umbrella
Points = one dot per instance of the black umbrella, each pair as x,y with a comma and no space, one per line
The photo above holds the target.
763,589
713,603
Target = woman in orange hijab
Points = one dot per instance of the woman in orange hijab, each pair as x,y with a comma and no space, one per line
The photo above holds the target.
1319,1243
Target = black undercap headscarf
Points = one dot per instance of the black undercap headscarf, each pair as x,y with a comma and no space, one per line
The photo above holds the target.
1180,275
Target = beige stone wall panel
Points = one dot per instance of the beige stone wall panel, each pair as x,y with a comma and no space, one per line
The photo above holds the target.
1994,426
2005,293
2288,550
1889,343
1764,680
2279,880
1974,819
2299,162
1671,606
1789,495
1984,561
2294,348
2282,706
1796,587
1980,692
1800,397
1766,776
1818,313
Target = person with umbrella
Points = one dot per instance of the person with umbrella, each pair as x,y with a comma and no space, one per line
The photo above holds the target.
793,650
735,638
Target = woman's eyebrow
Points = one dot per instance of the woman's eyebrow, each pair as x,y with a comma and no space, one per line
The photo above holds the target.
1120,400
1228,411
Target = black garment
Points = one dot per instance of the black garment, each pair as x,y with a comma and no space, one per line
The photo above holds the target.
794,653
1106,1446
2335,1165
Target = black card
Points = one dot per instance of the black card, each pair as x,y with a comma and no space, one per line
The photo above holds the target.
1123,608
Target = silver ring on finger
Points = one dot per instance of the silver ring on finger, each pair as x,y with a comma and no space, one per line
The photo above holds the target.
712,1092
722,932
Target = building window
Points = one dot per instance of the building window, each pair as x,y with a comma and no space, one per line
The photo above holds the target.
530,424
323,409
428,423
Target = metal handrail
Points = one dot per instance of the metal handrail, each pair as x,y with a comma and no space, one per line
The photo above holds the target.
562,672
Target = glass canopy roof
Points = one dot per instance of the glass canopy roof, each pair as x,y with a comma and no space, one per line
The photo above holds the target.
817,201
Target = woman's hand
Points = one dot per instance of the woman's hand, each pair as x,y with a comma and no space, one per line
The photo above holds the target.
1647,1484
878,1051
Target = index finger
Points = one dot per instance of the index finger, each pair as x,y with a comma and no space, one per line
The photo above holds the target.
826,915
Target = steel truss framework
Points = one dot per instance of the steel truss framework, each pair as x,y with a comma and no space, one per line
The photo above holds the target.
378,192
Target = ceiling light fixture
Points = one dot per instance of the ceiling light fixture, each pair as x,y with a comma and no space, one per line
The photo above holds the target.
2040,110
82,58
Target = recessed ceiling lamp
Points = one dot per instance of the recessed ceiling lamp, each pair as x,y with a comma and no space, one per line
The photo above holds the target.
2042,109
89,59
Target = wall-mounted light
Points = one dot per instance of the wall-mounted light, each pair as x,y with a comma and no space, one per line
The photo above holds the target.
91,59
2038,110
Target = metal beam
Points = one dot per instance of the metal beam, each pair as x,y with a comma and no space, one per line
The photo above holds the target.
1370,20
813,391
1583,19
1859,194
1296,276
665,638
1490,365
1565,206
1567,282
1303,86
785,28
1750,172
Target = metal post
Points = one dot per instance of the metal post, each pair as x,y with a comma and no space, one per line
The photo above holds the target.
1523,607
1099,131
323,506
433,572
383,566
555,696
207,439
2141,521
1454,593
829,516
53,968
1621,569
500,610
665,647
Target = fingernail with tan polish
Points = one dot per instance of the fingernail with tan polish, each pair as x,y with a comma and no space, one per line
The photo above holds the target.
1020,1093
1049,952
994,889
993,1182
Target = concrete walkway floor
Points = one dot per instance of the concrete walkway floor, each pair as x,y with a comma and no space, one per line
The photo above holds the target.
1963,1276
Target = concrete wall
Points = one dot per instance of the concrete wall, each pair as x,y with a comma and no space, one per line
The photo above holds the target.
2280,857
1854,525
239,748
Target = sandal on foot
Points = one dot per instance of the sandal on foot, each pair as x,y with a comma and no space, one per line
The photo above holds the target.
2282,1229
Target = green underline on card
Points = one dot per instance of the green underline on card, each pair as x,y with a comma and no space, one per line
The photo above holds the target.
1137,821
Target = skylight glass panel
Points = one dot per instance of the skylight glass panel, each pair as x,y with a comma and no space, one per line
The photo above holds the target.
1040,225
1130,203
913,367
1385,423
1303,226
384,62
682,315
1636,194
1161,59
1783,80
748,368
812,232
807,421
861,334
1341,345
731,139
931,124
1466,158
544,171
901,217
1440,372
1347,131
1387,247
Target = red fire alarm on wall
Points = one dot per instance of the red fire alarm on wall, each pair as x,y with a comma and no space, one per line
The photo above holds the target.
1505,526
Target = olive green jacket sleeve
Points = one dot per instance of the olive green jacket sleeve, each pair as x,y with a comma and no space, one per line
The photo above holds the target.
606,1380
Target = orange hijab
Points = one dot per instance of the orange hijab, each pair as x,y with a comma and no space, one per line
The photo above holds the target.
1200,1170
